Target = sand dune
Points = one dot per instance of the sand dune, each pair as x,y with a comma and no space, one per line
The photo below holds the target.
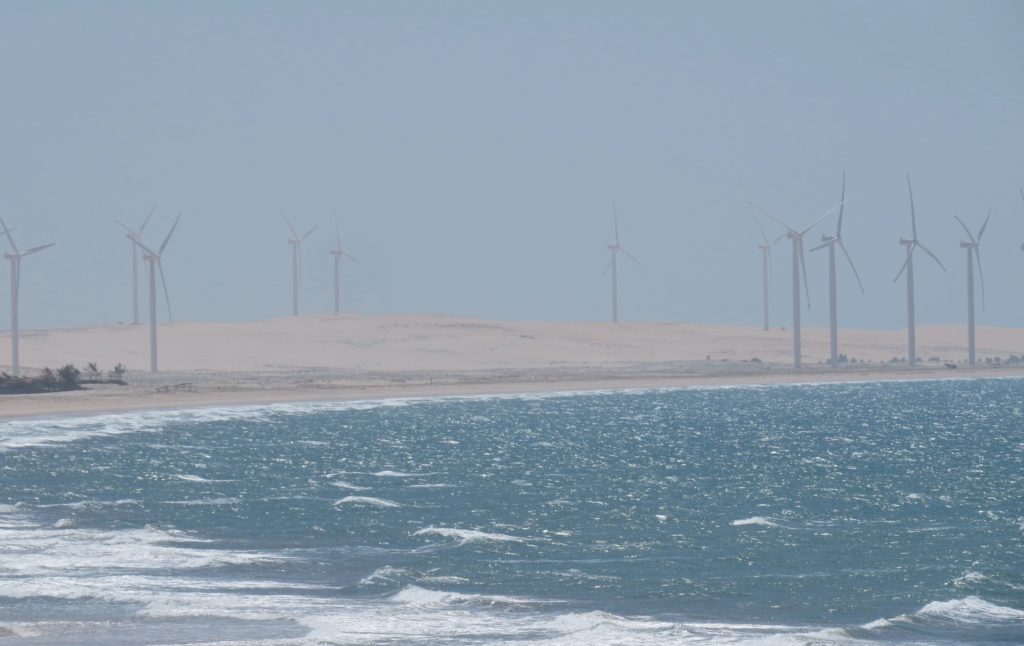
325,357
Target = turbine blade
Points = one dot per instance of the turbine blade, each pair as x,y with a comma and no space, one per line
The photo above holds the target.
349,256
839,227
848,258
981,274
169,234
827,213
289,223
609,265
128,229
968,231
615,217
824,244
167,297
913,216
934,257
775,219
39,248
145,248
777,239
904,267
982,231
144,222
764,235
803,269
307,233
338,231
10,238
630,257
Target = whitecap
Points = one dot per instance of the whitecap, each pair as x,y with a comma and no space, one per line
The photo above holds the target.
398,474
341,484
382,574
193,478
414,595
367,500
754,520
970,609
467,535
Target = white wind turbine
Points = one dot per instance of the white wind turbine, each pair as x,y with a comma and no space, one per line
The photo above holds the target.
831,242
15,256
799,267
972,245
908,266
155,264
136,239
296,243
338,253
614,265
766,266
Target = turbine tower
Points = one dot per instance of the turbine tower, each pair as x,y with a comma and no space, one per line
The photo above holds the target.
831,242
766,266
136,238
799,267
15,255
908,266
972,245
614,265
155,264
338,253
296,243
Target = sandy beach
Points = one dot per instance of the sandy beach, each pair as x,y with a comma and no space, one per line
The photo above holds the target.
325,357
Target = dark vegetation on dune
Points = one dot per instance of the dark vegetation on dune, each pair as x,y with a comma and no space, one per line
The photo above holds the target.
66,378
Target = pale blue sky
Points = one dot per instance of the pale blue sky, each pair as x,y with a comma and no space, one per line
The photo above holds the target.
473,149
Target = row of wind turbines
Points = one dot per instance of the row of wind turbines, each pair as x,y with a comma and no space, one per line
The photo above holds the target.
972,245
796,236
154,267
830,242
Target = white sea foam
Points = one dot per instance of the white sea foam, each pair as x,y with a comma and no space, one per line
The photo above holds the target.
467,535
759,521
971,610
367,500
430,486
193,478
414,595
341,484
382,575
34,551
399,474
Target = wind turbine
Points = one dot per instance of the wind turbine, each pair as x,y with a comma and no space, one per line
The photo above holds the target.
153,258
831,242
799,267
973,253
296,243
136,239
338,254
614,265
15,256
908,266
766,265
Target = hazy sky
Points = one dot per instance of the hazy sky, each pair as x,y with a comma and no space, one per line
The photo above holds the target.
473,149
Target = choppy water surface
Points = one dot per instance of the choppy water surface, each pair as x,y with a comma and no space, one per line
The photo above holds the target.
879,513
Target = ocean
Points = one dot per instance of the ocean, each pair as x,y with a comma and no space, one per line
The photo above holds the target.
860,513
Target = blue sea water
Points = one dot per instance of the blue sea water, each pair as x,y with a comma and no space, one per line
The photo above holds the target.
826,514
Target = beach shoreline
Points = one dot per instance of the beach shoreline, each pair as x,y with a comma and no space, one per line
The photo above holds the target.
355,357
105,399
